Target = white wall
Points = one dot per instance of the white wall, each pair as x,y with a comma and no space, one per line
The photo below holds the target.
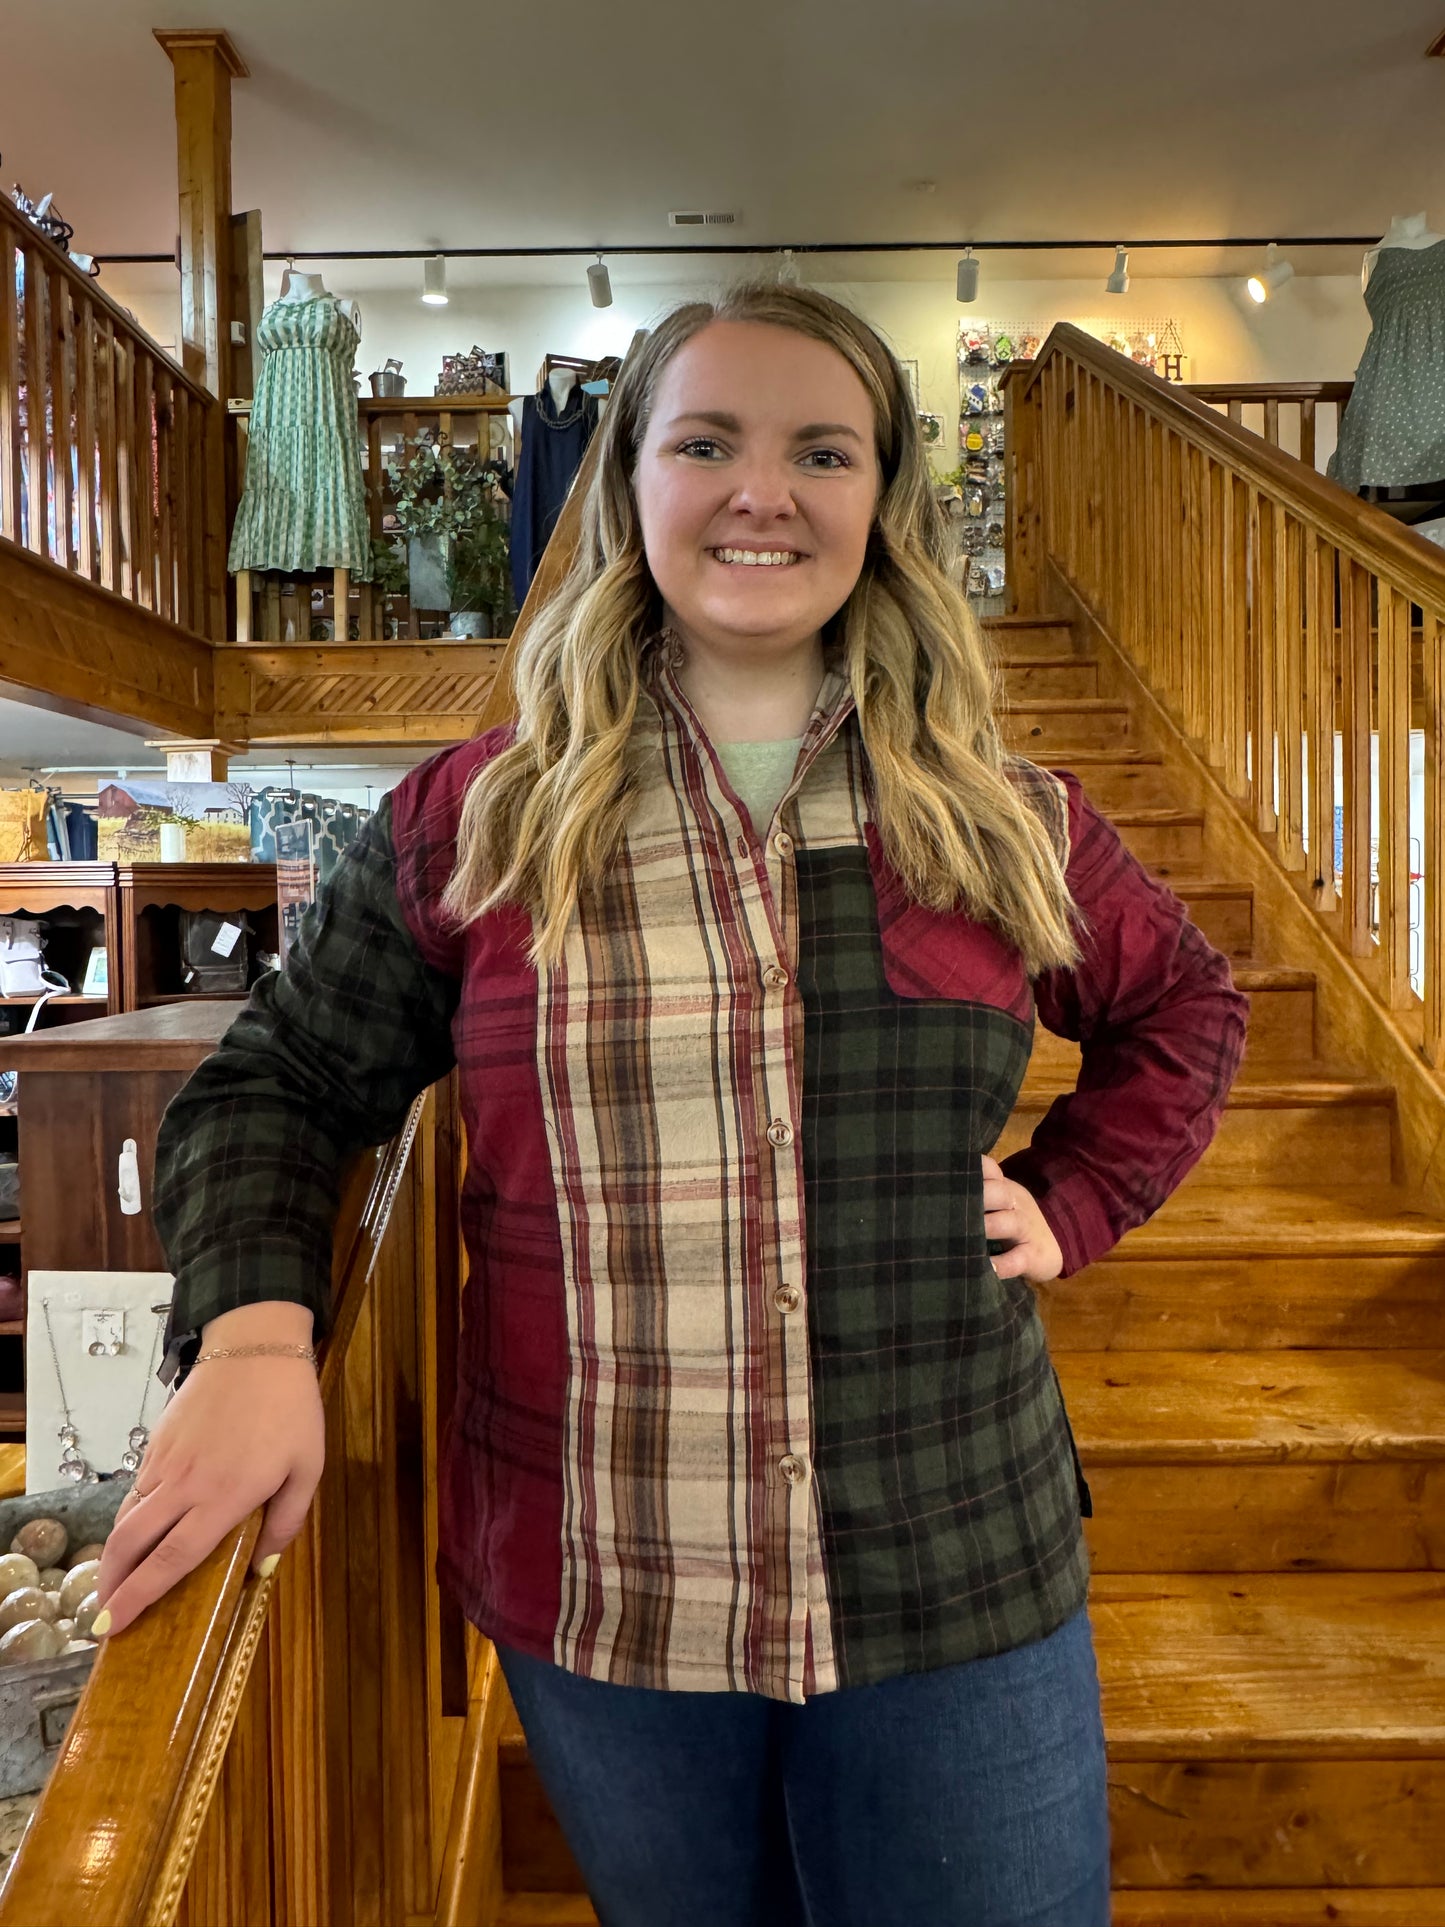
1314,331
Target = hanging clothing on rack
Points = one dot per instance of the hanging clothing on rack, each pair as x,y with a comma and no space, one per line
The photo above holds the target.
304,506
1392,434
552,449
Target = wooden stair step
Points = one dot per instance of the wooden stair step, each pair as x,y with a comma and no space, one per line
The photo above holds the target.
1224,911
1046,728
1269,1408
1203,1220
1166,840
1272,1666
1117,778
1278,1907
1275,1128
1204,1299
1281,1024
1028,635
1028,676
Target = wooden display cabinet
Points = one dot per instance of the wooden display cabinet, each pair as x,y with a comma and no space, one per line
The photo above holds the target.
85,1089
151,899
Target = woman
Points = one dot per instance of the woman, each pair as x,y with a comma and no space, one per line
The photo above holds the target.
759,1476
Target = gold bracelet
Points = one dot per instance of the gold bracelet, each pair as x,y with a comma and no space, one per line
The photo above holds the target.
308,1352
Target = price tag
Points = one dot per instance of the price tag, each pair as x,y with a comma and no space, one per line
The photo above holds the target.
225,939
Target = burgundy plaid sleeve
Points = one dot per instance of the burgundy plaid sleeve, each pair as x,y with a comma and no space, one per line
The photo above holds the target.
1161,1026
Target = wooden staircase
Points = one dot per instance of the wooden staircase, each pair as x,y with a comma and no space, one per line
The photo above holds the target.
1257,1382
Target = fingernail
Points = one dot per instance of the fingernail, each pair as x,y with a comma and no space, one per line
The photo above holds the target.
100,1626
269,1564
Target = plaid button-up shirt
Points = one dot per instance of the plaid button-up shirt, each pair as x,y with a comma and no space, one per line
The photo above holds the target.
743,1404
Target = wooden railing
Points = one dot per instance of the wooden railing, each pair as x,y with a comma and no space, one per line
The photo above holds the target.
102,439
275,608
1289,414
256,1752
1293,633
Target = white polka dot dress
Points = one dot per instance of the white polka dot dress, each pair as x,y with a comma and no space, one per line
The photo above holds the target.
1393,430
303,506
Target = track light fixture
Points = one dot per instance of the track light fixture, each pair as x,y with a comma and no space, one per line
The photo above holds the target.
1271,278
434,281
968,277
1118,281
599,284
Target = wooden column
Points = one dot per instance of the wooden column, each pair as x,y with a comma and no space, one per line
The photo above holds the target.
205,63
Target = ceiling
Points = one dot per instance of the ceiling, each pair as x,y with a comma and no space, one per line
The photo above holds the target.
364,125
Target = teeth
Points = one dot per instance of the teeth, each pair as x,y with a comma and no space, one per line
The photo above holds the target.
757,558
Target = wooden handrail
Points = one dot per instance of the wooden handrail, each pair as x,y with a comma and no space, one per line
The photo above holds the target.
1304,399
1355,526
1275,617
115,1834
1216,391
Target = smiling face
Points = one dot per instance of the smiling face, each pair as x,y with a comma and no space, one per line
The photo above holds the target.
756,486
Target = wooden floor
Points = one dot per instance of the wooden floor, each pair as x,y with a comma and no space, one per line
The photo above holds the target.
1257,1382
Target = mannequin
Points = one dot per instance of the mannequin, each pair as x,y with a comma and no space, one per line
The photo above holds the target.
1392,434
1406,231
561,381
297,286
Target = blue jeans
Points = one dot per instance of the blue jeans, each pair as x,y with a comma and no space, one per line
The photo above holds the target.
973,1796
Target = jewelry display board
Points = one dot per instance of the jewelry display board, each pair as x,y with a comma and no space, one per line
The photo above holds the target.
985,350
93,1345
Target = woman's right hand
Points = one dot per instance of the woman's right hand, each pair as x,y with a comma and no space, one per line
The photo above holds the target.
238,1434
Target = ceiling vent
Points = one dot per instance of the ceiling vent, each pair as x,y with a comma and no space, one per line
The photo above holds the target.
696,218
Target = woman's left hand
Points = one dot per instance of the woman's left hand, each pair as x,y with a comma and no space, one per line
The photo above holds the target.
1011,1212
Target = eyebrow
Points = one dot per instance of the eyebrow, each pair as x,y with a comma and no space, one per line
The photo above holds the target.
809,432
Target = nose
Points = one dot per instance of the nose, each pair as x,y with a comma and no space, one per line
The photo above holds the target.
763,490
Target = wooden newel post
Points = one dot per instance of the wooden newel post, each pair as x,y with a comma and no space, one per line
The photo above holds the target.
1024,525
205,63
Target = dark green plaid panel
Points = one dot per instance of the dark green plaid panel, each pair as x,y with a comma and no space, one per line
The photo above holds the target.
949,1499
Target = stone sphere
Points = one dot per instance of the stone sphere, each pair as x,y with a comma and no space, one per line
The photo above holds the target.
80,1646
43,1540
16,1570
65,1627
86,1554
51,1579
31,1639
86,1615
27,1602
79,1581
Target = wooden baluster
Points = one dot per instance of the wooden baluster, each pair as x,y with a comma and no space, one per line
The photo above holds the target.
1289,690
1355,734
340,605
375,511
128,503
1174,568
1194,592
1432,933
1215,594
1149,655
11,444
107,454
1237,711
62,424
1261,682
165,525
37,407
145,455
1319,674
243,605
1235,406
1271,421
1307,431
408,430
196,432
1394,786
85,559
271,596
181,484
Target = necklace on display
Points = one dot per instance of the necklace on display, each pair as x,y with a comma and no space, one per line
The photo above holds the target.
568,415
73,1463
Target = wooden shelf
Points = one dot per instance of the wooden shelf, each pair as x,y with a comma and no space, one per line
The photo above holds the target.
12,1327
192,997
9,1231
12,1414
64,997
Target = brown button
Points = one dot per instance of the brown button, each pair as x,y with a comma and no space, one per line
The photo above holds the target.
775,976
783,843
793,1469
780,1132
787,1298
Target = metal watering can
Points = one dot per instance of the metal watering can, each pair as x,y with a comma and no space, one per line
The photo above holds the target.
388,381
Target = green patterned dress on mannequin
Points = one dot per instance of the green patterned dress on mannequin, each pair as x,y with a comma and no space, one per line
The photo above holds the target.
303,505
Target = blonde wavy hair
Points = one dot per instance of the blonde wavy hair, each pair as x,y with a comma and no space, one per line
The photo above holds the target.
547,816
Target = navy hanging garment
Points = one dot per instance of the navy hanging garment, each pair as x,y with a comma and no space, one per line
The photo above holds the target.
552,451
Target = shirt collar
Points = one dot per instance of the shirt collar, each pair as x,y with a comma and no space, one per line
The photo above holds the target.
661,695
